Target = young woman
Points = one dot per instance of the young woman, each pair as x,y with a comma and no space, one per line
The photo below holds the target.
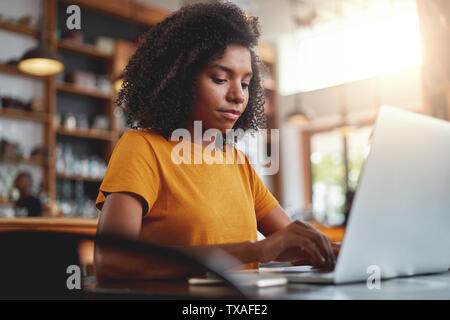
199,64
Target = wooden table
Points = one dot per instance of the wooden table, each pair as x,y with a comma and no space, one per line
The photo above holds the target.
59,224
420,287
62,224
89,226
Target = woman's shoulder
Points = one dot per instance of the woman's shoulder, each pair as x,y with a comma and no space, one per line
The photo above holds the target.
145,142
142,135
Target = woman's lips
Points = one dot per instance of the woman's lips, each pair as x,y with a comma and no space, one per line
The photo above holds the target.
229,115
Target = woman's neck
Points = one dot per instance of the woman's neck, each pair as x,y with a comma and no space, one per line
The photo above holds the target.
198,137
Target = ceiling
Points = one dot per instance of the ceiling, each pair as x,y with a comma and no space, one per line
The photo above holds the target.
284,16
278,17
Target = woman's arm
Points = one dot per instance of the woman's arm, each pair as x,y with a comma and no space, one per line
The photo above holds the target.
122,216
276,219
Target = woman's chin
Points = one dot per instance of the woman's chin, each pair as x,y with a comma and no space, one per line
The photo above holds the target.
226,129
223,127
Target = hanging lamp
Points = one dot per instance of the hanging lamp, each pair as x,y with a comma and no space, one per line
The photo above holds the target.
41,61
298,116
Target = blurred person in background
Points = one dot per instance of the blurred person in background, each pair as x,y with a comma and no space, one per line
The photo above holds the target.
27,204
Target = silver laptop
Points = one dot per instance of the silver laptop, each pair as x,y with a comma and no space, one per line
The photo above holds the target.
399,223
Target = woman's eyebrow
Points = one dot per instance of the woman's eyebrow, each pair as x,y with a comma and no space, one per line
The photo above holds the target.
228,70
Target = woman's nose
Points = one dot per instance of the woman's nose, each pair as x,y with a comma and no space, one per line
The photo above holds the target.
236,93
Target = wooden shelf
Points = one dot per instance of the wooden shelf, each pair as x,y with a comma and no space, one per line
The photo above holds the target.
8,68
17,28
87,133
83,91
123,130
6,203
83,49
77,177
34,161
11,69
25,115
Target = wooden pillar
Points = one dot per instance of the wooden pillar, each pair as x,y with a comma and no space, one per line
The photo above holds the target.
49,12
305,138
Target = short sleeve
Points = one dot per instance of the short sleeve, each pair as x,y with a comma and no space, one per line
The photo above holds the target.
132,168
264,200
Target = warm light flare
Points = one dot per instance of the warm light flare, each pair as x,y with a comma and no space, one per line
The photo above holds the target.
345,53
118,84
40,67
298,119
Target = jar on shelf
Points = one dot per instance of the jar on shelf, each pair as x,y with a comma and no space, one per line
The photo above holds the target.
70,122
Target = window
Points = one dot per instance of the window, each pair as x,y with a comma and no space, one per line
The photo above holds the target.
348,51
332,181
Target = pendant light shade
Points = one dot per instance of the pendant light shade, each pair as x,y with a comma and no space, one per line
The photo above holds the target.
297,118
40,61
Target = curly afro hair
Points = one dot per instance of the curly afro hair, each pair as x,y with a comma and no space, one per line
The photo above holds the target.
159,85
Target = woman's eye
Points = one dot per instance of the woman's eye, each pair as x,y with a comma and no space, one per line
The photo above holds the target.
217,80
245,85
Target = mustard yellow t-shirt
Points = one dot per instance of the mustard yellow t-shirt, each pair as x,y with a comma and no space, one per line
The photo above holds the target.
187,203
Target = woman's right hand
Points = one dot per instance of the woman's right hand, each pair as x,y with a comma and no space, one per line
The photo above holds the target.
298,243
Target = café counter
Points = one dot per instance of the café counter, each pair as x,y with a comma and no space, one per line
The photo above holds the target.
88,226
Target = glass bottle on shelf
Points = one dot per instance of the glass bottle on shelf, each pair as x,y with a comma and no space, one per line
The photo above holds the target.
76,165
89,210
79,198
60,167
84,166
68,159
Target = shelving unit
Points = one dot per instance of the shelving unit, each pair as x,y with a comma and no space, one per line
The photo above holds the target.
25,115
102,101
77,177
52,90
12,70
140,17
39,117
87,134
